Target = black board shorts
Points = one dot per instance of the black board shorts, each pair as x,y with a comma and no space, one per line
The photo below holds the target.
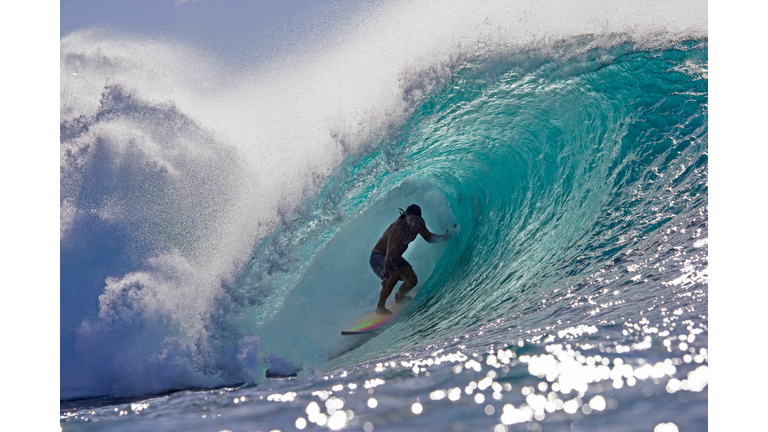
377,264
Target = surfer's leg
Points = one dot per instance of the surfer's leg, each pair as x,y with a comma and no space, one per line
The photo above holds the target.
408,276
386,290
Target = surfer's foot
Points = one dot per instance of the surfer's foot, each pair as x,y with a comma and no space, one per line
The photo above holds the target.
383,311
401,298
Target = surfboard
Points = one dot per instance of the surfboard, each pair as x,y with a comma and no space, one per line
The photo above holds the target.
375,321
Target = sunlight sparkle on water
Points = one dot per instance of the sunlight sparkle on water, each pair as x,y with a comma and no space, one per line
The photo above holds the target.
301,423
417,408
314,415
597,403
337,420
563,370
454,394
438,395
512,415
567,371
571,406
665,427
288,397
373,383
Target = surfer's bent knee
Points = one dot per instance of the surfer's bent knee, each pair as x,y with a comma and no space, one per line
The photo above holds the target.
409,276
395,274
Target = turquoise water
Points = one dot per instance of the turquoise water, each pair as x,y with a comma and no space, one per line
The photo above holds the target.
574,296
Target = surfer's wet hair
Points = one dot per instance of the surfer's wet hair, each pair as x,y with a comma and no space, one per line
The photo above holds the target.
412,209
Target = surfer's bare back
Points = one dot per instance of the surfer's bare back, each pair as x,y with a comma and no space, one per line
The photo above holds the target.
388,254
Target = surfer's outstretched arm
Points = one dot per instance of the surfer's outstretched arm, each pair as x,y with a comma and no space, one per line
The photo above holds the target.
437,238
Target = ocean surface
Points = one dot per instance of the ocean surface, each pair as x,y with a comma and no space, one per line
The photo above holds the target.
216,222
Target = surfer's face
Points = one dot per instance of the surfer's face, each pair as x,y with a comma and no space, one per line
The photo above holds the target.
412,221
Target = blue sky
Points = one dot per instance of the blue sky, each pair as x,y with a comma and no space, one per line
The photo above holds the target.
237,28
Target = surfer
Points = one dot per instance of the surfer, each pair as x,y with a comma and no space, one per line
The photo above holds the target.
387,256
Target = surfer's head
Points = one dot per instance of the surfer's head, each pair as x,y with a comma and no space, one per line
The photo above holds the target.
412,215
412,209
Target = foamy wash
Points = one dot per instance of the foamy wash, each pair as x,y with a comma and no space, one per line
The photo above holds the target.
216,223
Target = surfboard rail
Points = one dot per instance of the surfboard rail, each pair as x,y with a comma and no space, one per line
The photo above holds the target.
375,321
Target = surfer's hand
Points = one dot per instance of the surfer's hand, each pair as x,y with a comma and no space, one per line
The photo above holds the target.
451,231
